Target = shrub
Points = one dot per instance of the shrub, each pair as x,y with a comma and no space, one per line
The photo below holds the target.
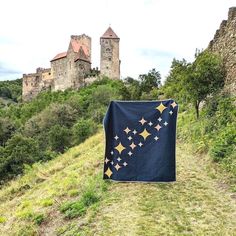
59,138
224,144
19,150
83,129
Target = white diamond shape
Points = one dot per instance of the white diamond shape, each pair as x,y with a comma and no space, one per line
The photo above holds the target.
159,119
171,112
112,152
134,132
156,138
129,137
116,137
150,123
165,123
118,159
130,153
125,164
140,144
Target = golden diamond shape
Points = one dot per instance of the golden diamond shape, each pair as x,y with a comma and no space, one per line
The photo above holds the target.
145,134
161,108
120,147
108,172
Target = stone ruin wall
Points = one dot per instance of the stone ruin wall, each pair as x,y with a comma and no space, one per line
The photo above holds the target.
34,83
224,43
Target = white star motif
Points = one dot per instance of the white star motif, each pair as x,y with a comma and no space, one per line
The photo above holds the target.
112,152
125,164
165,123
140,144
142,121
116,137
156,138
150,123
171,112
134,132
130,153
159,119
118,159
129,137
112,162
107,160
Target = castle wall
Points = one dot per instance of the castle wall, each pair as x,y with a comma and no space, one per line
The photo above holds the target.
109,62
34,83
224,43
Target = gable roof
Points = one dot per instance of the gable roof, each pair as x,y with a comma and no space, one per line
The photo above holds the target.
81,55
110,34
76,46
59,56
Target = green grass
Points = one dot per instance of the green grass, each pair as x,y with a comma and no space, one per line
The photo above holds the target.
67,196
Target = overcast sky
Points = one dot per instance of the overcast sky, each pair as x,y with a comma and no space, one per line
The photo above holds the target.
152,32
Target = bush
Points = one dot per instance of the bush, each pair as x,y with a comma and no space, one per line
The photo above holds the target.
224,144
19,151
59,138
83,129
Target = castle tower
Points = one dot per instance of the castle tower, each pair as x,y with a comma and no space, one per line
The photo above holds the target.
110,62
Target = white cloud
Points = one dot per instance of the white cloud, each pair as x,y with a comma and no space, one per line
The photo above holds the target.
32,32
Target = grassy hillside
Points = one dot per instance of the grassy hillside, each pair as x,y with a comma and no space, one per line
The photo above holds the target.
66,196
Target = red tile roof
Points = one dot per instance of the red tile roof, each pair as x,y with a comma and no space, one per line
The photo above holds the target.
81,55
76,46
59,56
110,34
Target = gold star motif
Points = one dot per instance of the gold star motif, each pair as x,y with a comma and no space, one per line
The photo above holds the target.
117,166
107,160
132,145
173,104
127,130
161,108
120,147
144,134
142,121
108,172
158,127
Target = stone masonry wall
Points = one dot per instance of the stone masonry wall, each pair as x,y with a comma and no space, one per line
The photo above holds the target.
34,83
109,62
224,43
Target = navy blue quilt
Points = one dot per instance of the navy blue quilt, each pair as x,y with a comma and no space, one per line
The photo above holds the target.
140,141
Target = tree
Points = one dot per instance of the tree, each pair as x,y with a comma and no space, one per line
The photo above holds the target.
150,80
59,138
205,77
7,129
19,151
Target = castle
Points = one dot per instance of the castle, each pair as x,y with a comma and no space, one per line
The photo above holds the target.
224,44
72,69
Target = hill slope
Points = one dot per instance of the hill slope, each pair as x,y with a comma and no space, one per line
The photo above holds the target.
67,196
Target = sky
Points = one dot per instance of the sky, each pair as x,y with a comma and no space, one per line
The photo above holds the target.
152,32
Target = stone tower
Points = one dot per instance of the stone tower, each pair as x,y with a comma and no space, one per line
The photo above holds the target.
110,61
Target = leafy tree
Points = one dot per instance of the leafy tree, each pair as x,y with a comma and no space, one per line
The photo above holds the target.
59,138
134,88
205,77
150,80
83,129
7,129
19,151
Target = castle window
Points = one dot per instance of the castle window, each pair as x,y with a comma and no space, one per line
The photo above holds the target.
108,49
107,67
109,58
49,73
